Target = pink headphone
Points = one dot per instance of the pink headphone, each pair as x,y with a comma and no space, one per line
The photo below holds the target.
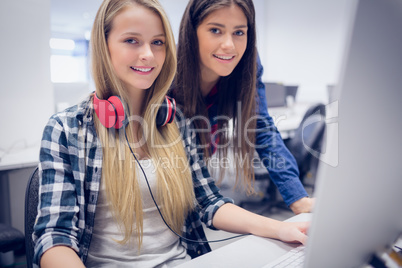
111,111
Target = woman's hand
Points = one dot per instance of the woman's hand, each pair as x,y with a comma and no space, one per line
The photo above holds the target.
293,232
303,205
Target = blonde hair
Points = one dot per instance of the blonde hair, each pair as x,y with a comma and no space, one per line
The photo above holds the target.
175,195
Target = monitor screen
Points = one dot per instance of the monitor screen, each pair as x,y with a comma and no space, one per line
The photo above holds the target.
358,210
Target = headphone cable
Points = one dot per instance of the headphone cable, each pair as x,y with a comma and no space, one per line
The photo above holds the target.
160,213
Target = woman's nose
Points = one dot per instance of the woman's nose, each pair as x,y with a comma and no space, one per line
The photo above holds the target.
227,42
146,53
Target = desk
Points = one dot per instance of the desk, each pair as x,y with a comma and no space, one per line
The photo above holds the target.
251,251
15,169
28,157
288,119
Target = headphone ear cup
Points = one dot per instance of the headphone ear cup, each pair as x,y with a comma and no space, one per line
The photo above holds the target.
172,107
105,112
110,112
166,112
119,111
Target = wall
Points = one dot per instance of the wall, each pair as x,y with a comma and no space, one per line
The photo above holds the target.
26,90
303,43
174,10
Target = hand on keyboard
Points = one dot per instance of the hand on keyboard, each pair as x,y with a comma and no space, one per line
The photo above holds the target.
294,232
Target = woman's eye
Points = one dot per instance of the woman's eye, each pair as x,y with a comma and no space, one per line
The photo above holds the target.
131,41
239,33
215,31
158,42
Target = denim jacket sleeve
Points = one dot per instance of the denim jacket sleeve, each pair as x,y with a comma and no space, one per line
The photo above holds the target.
279,162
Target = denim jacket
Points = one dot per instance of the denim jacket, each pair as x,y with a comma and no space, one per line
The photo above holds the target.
280,163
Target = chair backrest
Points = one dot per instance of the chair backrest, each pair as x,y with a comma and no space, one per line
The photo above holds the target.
308,136
31,210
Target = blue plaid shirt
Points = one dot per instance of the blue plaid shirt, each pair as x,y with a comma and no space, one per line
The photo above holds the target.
70,171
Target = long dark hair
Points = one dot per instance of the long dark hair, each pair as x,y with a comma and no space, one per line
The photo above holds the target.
236,95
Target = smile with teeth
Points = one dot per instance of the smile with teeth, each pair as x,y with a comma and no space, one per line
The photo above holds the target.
144,70
224,57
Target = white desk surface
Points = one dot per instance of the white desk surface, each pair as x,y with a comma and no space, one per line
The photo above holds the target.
251,251
28,157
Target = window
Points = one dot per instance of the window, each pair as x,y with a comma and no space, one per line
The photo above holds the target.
69,60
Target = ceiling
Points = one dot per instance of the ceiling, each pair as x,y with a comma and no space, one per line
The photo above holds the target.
72,18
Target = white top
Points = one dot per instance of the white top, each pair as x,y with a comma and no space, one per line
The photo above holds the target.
160,247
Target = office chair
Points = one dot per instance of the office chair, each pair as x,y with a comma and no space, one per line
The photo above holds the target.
11,239
306,144
31,210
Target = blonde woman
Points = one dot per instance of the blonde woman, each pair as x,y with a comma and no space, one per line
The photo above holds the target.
98,206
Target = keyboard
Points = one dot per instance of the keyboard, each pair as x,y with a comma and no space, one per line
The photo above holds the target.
293,258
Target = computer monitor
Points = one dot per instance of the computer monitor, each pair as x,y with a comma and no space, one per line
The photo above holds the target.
275,94
291,90
359,199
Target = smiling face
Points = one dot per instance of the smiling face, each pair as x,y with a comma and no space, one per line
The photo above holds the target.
137,48
222,38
